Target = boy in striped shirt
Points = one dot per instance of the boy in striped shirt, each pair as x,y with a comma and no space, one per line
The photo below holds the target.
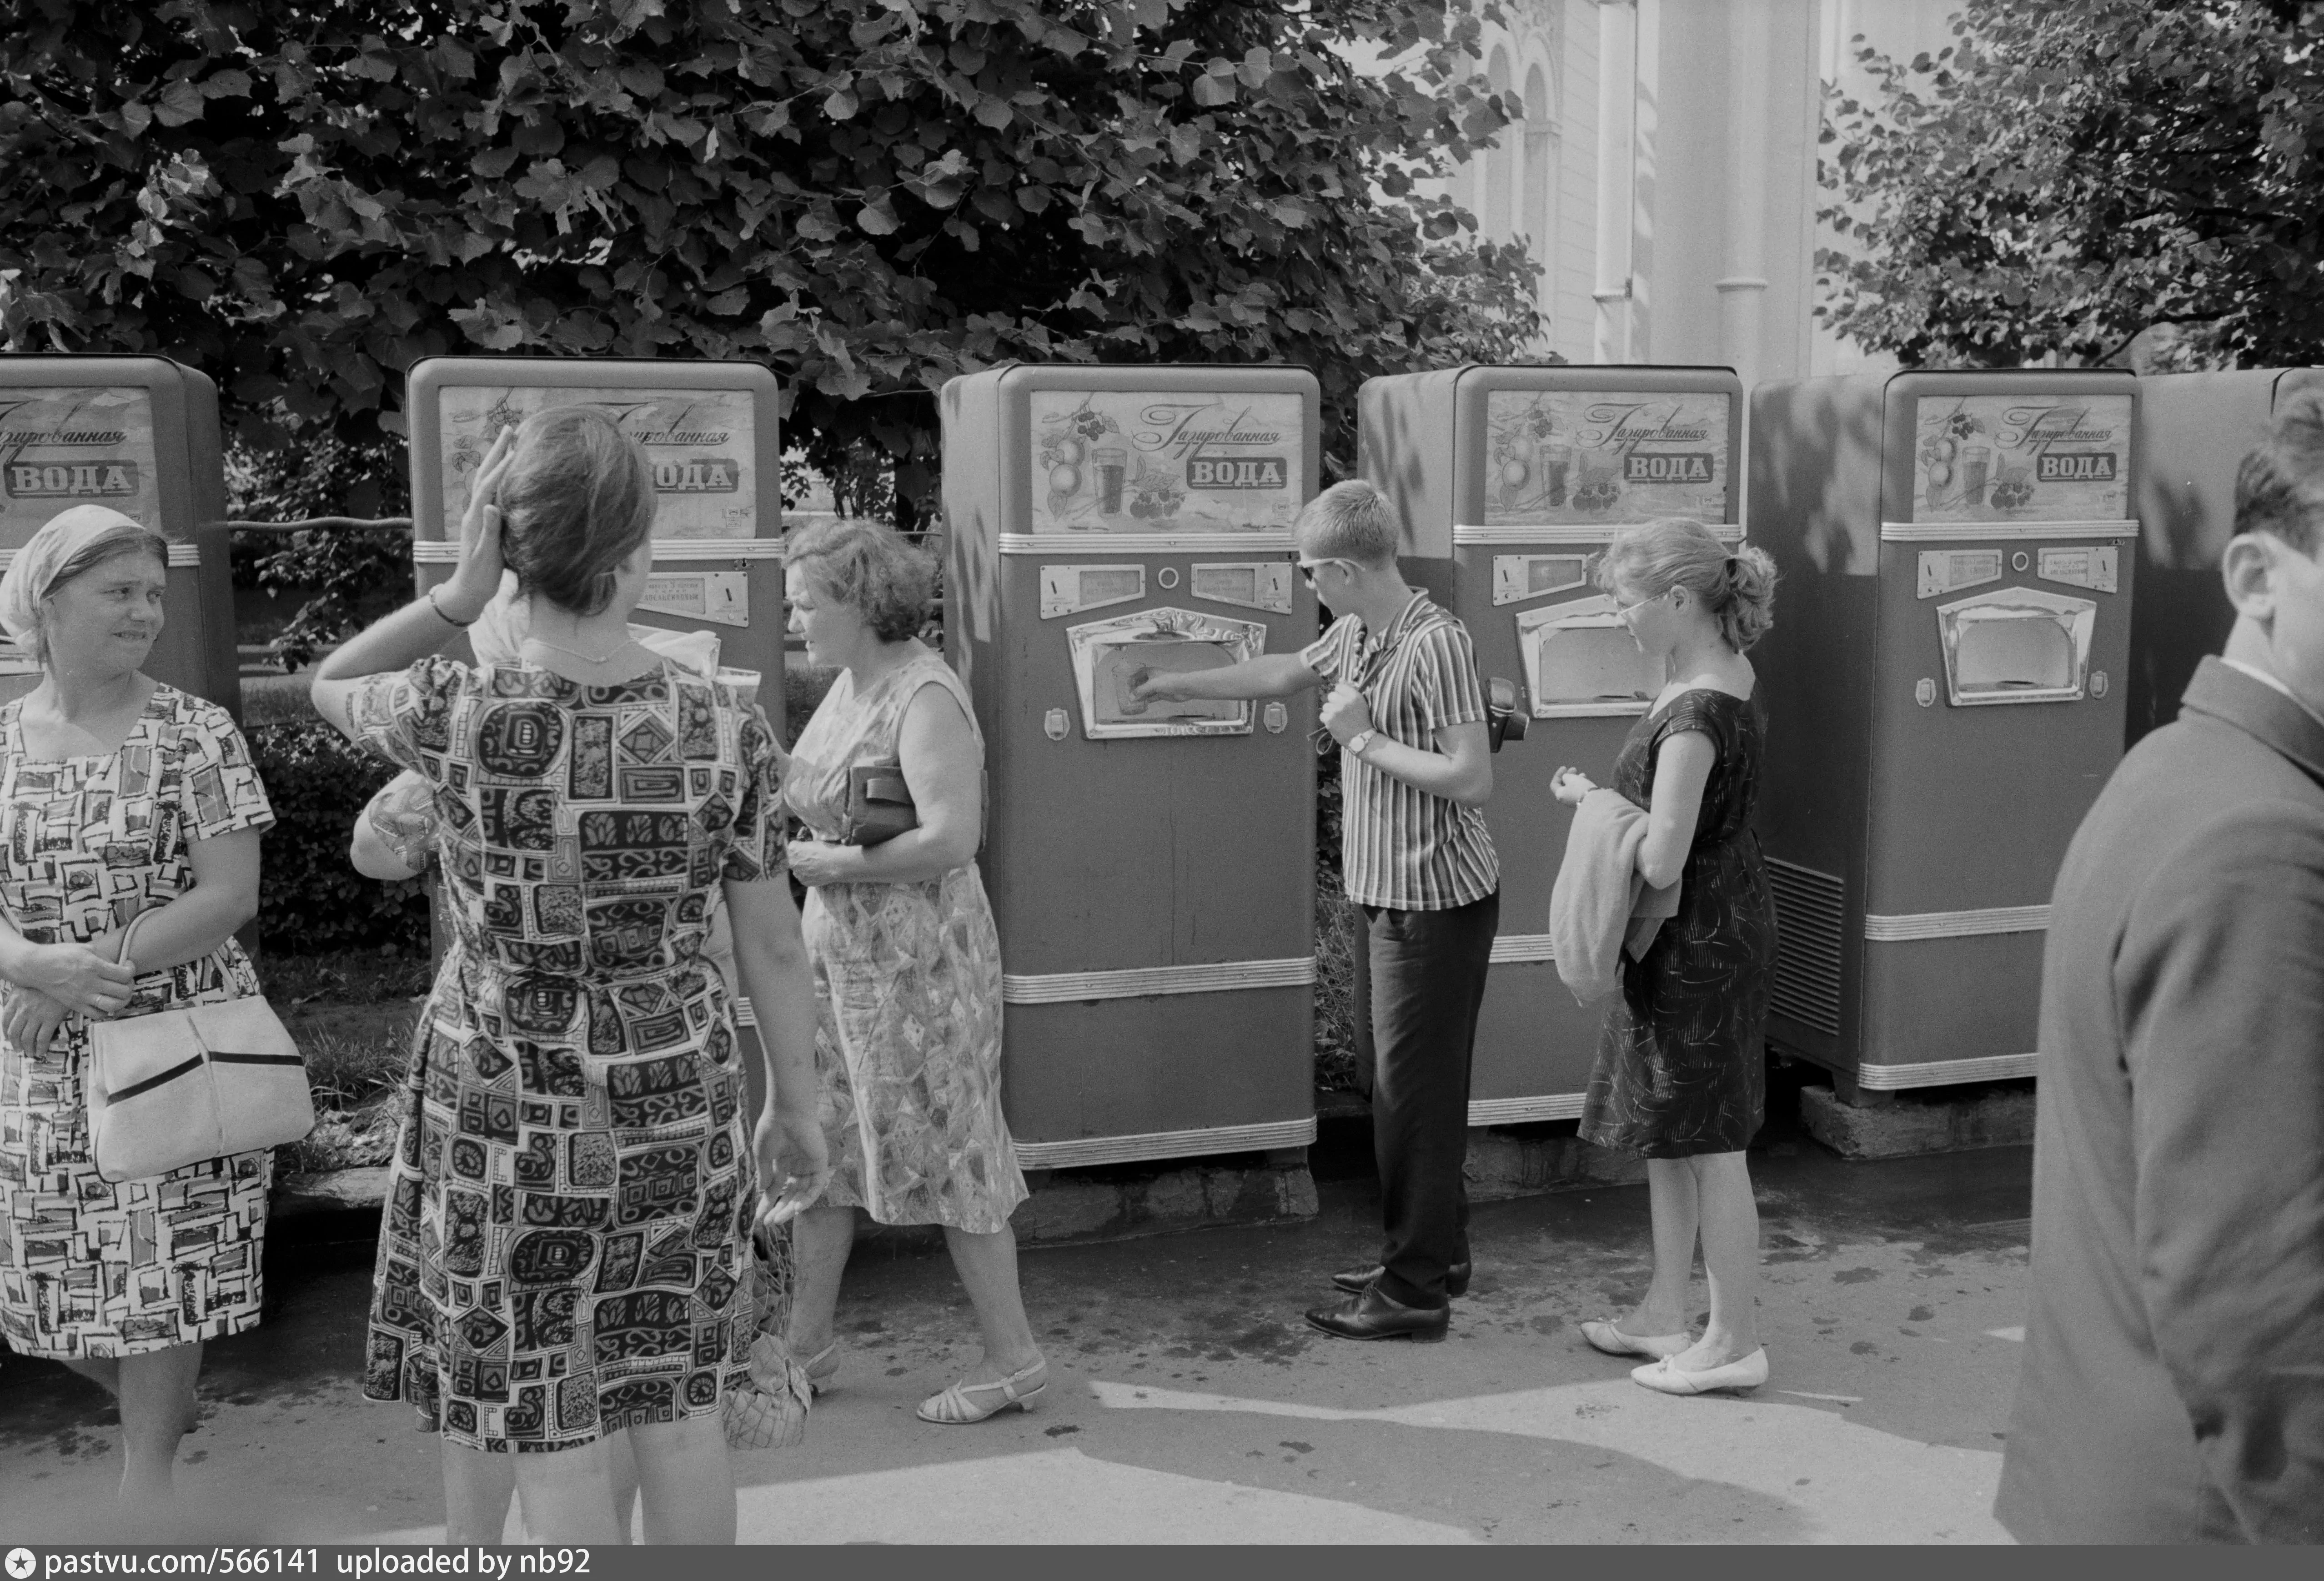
1408,711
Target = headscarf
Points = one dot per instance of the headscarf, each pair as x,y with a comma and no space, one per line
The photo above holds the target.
498,636
49,551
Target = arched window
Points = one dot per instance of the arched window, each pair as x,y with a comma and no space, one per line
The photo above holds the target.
1495,219
1538,209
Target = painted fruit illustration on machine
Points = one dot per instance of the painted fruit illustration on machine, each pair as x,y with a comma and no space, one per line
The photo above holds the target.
1067,454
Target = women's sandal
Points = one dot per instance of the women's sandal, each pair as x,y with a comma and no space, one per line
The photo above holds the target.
1747,1373
821,1368
955,1408
1604,1337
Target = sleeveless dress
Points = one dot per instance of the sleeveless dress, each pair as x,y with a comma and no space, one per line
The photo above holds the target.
563,1250
90,1267
1681,1068
908,981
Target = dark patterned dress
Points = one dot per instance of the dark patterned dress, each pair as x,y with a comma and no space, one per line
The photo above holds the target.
1680,1068
90,1267
562,1251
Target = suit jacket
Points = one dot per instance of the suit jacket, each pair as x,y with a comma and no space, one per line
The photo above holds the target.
2172,1388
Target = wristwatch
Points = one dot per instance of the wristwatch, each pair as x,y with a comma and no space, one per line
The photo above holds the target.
1359,741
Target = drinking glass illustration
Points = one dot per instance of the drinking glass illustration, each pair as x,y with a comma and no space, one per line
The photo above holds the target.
1111,461
1550,464
1974,469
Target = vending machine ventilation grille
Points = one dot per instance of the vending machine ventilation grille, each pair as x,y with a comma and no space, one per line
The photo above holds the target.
1808,910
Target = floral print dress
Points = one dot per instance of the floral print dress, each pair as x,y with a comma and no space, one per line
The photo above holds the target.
91,1267
1681,1068
563,1250
907,980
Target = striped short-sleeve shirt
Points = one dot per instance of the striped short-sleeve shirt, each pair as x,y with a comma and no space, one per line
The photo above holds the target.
1401,846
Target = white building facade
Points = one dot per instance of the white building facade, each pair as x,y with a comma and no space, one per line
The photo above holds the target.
1663,174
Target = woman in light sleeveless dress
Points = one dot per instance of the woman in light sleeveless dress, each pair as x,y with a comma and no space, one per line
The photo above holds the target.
907,962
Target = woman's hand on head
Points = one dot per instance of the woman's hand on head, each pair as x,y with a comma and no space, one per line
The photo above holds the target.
477,577
78,978
1570,786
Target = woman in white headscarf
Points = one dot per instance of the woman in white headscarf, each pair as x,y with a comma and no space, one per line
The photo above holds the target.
118,796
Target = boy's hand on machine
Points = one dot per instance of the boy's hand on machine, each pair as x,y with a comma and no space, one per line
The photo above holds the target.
1569,785
1346,715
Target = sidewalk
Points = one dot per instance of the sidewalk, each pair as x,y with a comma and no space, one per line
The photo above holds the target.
1188,1402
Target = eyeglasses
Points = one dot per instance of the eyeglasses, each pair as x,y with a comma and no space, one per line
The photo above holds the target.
1623,609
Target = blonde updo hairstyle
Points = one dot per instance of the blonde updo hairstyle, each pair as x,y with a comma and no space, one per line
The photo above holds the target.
867,567
127,538
577,501
1738,586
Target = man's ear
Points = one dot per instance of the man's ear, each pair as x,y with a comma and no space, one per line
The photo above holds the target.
2247,569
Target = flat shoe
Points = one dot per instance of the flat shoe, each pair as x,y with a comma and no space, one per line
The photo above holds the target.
954,1408
1604,1337
1661,1377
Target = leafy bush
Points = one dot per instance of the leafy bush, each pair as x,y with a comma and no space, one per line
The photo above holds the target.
310,899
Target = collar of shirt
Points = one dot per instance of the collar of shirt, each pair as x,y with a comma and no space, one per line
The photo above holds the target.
1374,645
2273,683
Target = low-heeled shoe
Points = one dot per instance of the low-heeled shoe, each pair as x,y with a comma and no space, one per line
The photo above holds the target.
1373,1316
1744,1373
1357,1281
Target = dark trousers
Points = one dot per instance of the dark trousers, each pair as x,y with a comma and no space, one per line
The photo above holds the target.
1427,972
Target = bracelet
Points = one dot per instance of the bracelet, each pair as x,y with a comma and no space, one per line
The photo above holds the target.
448,620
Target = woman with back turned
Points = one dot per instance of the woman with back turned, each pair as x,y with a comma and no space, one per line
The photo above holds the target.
1681,1076
563,1253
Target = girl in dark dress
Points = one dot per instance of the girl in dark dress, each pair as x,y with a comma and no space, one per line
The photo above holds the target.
1681,1078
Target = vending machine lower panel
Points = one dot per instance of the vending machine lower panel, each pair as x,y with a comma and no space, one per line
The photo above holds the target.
1116,1081
1945,1010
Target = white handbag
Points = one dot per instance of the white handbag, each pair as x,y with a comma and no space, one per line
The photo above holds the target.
177,1087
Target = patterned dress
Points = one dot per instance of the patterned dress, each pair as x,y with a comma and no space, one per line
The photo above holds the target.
908,981
90,1267
1680,1069
562,1251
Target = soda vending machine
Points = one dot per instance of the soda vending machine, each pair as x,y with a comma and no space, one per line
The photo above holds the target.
1511,482
711,431
1944,699
139,434
2194,431
1151,864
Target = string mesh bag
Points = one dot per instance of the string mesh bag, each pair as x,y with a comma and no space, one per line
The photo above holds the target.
767,1408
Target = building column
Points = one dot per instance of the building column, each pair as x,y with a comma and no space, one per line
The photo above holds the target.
1743,288
1617,106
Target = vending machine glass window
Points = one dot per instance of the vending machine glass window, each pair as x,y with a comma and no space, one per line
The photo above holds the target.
2016,645
1583,661
1110,657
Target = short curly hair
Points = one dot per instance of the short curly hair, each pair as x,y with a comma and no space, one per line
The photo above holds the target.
867,567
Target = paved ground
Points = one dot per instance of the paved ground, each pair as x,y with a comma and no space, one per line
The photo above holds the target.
1189,1403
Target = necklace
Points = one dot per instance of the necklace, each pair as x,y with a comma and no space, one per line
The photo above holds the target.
606,657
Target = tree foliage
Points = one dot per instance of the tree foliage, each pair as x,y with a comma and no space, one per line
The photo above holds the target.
304,196
2072,172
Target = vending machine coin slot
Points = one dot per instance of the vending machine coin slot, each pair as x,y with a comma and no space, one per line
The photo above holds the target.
1582,660
2087,566
2016,645
1251,585
1948,571
1519,577
1070,589
1110,657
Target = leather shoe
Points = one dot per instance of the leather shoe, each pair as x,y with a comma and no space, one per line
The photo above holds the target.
1373,1316
1357,1281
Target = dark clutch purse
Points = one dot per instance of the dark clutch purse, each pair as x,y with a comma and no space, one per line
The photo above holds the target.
879,805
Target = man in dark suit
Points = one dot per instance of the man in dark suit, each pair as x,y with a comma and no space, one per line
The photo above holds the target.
2173,1384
